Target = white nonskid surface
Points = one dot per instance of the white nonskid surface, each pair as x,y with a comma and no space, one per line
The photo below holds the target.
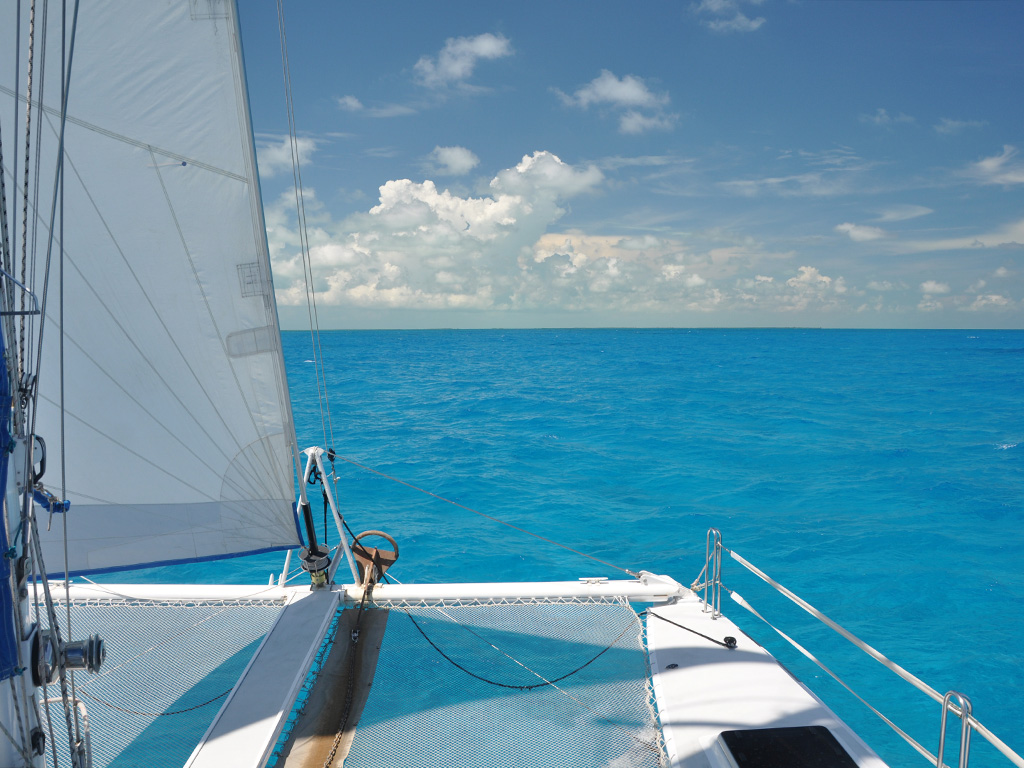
714,689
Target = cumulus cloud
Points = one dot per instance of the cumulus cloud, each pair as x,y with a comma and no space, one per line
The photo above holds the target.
988,301
949,127
727,16
606,88
459,57
860,233
933,287
998,169
881,117
427,248
451,161
641,109
274,155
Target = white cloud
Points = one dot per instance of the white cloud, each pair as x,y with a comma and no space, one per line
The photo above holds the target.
949,127
999,169
634,122
809,276
1001,272
274,157
452,161
629,94
606,88
459,57
933,287
903,213
989,301
880,285
726,16
1009,236
881,117
350,103
860,233
427,248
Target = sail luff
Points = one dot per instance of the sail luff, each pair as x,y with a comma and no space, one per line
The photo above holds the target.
261,239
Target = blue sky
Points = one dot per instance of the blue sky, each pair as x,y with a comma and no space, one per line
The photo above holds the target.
716,163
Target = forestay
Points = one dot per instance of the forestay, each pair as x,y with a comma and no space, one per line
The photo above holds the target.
179,437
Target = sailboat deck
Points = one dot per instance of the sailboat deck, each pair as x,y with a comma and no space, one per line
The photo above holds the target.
703,689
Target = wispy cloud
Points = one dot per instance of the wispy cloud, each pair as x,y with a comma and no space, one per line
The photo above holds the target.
1010,236
999,169
352,104
903,213
882,118
949,127
726,16
275,154
860,233
455,63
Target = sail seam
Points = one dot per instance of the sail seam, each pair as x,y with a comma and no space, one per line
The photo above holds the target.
133,142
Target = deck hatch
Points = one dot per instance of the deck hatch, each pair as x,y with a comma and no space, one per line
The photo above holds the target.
810,746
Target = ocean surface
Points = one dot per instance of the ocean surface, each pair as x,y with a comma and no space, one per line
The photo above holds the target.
879,474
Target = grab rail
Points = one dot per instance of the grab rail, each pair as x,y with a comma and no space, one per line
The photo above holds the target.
964,714
963,711
713,573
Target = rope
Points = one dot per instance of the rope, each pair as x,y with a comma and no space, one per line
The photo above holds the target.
355,463
456,664
28,155
652,747
649,612
157,714
21,750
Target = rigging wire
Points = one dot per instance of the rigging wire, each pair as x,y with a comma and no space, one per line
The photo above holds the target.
300,208
60,366
326,426
24,217
27,511
355,463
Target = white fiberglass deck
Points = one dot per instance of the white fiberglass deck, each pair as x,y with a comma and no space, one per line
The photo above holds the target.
703,689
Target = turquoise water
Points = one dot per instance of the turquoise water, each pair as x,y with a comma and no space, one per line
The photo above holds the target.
879,474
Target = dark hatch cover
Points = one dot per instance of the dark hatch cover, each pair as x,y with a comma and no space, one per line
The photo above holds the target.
811,746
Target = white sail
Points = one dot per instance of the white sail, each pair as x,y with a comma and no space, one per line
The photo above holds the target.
178,428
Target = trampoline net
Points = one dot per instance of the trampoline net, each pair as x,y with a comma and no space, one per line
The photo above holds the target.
537,683
169,667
